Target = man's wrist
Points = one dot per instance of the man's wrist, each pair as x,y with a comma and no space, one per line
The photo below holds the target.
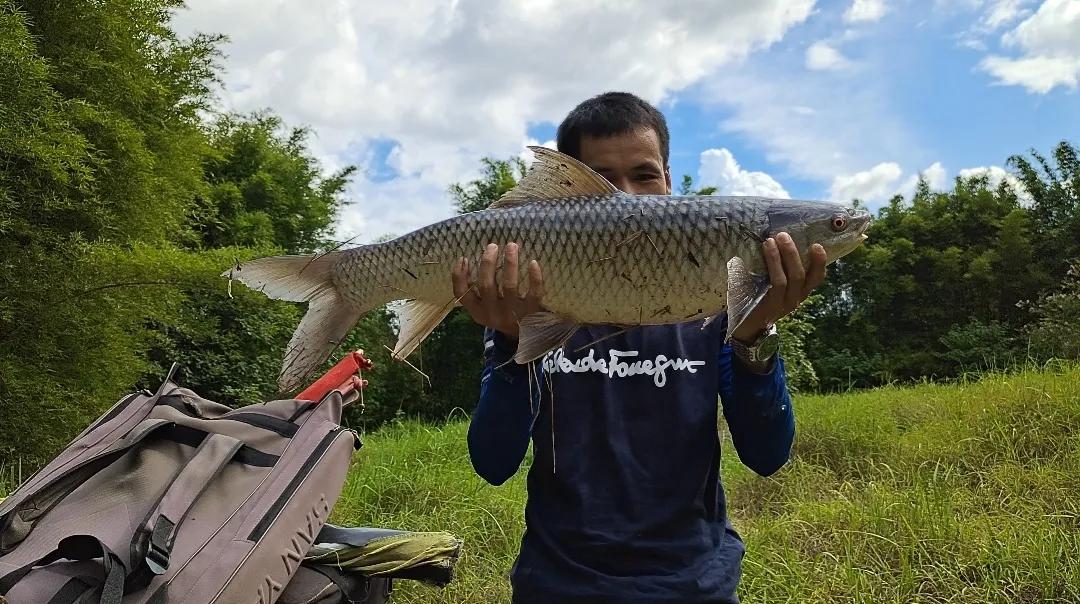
504,342
757,354
764,367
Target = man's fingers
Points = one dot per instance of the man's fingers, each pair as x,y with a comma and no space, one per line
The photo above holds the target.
793,269
459,276
486,277
536,286
509,279
464,292
815,275
775,265
772,305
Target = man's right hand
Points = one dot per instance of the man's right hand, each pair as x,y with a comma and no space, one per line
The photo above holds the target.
497,304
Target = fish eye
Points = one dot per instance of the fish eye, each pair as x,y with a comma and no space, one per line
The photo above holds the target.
839,223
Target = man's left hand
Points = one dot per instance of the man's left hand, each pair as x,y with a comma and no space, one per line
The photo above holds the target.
791,285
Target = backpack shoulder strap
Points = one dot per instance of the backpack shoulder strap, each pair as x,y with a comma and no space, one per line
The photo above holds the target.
78,547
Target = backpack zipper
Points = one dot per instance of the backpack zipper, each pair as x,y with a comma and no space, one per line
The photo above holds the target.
294,484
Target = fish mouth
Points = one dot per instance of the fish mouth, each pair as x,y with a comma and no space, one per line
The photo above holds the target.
862,229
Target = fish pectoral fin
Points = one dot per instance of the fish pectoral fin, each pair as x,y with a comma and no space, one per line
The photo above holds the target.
541,332
555,175
418,319
745,291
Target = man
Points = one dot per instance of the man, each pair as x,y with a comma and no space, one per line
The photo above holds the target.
625,502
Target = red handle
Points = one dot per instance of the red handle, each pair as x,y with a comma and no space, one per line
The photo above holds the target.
341,377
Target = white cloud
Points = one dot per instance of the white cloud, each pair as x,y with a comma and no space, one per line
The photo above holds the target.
814,127
996,14
1049,45
934,174
451,82
1004,12
1039,74
865,10
878,184
718,168
873,185
820,56
994,175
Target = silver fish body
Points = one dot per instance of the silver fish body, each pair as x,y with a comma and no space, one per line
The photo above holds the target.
607,258
619,259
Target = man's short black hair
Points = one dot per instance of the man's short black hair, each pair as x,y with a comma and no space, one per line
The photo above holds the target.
610,114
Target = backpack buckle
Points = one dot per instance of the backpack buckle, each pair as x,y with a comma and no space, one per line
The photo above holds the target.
157,559
158,548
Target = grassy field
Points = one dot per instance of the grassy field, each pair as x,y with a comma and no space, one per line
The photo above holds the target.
960,493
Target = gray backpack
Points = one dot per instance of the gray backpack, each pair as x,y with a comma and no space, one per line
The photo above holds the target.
169,497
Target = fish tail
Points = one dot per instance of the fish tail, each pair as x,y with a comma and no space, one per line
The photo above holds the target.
329,315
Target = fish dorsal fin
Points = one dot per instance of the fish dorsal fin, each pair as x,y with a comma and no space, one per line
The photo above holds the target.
554,175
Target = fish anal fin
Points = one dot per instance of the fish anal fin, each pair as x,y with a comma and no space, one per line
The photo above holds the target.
745,292
555,175
541,332
418,319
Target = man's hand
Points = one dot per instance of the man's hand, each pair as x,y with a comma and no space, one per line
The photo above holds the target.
791,284
493,304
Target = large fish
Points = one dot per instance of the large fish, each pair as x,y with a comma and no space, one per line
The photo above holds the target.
607,258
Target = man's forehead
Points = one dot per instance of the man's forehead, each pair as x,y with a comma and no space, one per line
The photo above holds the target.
629,149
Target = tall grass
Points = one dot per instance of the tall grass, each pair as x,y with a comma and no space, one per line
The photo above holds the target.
962,493
11,475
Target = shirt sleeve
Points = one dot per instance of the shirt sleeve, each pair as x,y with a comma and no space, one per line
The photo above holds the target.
758,411
502,421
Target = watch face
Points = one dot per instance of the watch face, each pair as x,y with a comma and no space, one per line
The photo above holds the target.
769,347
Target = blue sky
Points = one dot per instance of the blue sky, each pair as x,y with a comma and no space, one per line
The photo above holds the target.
823,100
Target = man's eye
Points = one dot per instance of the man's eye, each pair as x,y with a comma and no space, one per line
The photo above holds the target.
647,177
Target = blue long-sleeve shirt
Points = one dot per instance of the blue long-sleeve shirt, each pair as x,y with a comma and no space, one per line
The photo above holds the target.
625,501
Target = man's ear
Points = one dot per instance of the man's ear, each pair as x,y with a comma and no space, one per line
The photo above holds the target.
667,178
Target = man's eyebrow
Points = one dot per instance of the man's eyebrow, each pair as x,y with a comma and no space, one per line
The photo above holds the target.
647,165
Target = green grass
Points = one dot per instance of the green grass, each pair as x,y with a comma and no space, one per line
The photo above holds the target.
961,493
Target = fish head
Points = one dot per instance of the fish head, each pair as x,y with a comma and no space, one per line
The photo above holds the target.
838,228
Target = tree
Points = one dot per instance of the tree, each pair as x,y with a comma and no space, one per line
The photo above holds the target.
265,195
499,176
265,188
1055,331
100,143
942,283
1055,205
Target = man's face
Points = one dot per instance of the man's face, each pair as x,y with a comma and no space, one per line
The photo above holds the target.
632,161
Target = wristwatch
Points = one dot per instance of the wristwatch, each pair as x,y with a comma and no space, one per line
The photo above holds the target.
759,352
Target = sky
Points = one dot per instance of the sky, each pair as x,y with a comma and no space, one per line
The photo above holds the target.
785,98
